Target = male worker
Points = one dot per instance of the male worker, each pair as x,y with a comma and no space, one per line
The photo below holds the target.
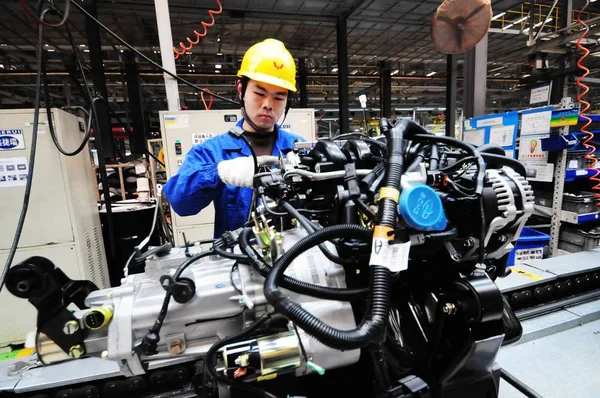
222,168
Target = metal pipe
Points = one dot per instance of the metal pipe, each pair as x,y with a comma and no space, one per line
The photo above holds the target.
166,52
545,19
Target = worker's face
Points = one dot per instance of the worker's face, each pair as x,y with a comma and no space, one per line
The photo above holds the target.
264,103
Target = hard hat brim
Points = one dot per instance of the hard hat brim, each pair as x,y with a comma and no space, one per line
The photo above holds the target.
275,81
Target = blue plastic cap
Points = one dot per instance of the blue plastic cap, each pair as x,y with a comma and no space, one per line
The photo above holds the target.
421,208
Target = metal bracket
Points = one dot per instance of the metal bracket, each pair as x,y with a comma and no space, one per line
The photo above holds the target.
38,280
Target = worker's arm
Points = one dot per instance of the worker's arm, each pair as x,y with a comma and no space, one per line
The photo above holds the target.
196,184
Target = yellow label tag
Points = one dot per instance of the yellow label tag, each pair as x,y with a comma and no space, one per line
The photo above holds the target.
267,377
389,193
526,274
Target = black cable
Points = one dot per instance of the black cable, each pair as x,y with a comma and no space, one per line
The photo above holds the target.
211,354
53,134
302,349
310,227
218,249
295,285
32,152
462,145
518,384
364,209
151,339
140,54
220,318
482,230
505,161
155,158
99,148
371,328
233,268
269,210
434,157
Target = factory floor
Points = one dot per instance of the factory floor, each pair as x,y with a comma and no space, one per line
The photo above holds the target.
559,353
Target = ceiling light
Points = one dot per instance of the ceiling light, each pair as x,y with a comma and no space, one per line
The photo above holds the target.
354,72
395,72
526,75
189,70
431,74
499,16
334,70
188,52
217,71
51,50
412,72
86,51
497,74
218,39
193,65
1,66
121,50
46,44
217,66
219,53
82,45
515,22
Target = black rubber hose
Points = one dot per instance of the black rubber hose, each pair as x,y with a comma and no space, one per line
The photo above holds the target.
443,235
462,145
307,289
492,148
519,385
505,161
434,161
371,330
386,215
417,161
309,227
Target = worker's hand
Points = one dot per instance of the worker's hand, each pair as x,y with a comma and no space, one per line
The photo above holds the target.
239,172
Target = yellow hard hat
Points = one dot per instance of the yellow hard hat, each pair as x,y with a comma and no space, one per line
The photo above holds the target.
270,62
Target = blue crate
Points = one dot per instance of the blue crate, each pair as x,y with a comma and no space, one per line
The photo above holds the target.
530,240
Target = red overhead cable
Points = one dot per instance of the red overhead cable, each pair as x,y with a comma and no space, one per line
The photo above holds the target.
205,26
584,105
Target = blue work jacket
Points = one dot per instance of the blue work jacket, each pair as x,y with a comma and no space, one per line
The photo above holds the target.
198,183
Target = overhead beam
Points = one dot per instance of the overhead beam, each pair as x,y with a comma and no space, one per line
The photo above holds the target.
552,45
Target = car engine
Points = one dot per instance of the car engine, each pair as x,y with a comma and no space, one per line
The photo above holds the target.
366,264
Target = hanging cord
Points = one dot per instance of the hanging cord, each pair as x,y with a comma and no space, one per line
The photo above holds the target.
584,105
209,105
29,12
205,26
147,59
32,153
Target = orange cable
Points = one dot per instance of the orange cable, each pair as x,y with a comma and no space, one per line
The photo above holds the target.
584,105
207,107
205,26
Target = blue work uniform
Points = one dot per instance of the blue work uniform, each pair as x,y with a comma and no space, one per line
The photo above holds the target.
198,183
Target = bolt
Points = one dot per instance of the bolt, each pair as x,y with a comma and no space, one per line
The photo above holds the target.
76,351
449,309
176,347
71,327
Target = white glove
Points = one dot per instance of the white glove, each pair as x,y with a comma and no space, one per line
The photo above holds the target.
239,172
